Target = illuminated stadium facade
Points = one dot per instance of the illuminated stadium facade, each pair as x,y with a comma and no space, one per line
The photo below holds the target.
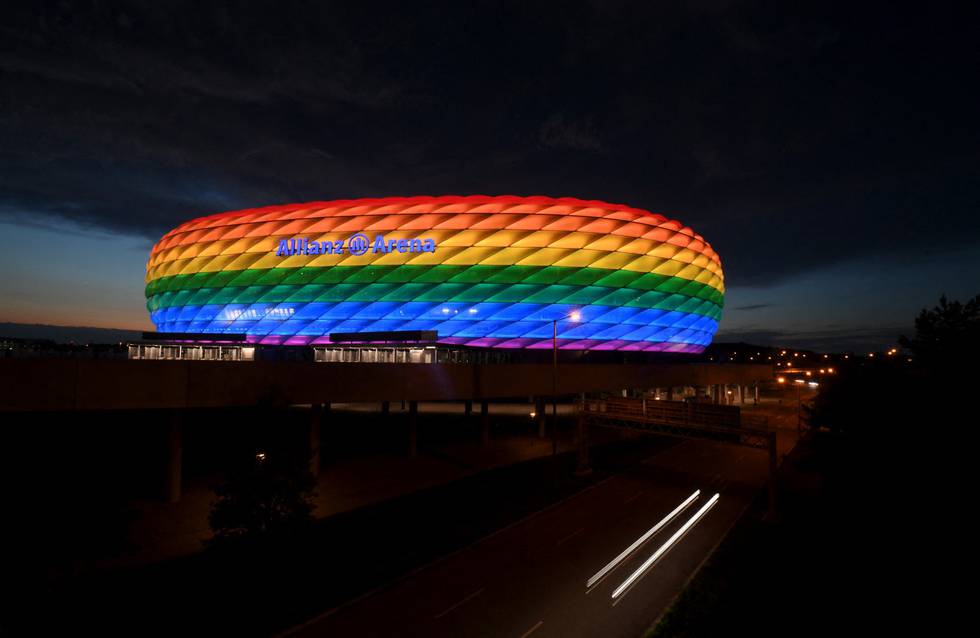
488,272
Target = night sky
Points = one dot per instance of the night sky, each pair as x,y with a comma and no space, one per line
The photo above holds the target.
829,154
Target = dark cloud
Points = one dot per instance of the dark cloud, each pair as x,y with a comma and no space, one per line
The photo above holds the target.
790,137
559,133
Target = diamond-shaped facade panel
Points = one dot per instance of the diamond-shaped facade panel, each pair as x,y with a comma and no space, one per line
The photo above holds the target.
482,271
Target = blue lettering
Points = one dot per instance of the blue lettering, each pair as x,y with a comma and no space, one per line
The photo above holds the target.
305,246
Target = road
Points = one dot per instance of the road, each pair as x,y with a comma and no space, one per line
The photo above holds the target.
530,578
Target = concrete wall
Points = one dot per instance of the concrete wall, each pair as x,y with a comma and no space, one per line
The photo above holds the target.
93,384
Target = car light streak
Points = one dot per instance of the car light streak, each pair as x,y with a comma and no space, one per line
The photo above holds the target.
666,546
646,536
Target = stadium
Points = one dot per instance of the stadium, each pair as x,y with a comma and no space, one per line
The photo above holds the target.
479,271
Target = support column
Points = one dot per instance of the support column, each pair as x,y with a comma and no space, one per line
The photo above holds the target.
467,408
773,466
539,415
582,467
316,412
484,422
756,398
413,428
175,453
670,393
385,407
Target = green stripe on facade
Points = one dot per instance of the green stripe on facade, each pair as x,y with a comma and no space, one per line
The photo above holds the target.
437,274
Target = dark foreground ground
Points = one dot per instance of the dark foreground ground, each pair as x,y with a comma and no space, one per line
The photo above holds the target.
263,590
867,542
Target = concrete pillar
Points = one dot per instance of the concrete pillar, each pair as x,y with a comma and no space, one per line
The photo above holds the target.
773,468
175,453
316,412
484,422
670,393
756,398
539,415
413,428
385,408
582,466
467,408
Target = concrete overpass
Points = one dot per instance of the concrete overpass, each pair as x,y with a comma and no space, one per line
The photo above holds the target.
110,384
172,386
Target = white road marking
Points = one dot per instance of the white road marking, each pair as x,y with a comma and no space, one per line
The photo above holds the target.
634,497
642,539
532,629
465,600
570,536
667,545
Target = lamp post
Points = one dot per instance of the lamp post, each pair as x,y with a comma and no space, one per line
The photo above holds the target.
799,407
574,316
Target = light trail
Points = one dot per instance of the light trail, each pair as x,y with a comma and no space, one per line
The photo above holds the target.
663,548
646,536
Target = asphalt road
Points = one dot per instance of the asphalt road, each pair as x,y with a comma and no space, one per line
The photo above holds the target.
530,578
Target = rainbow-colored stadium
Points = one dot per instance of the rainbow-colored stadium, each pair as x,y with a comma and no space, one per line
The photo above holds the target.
481,271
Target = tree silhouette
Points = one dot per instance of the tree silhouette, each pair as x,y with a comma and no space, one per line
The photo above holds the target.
268,490
946,337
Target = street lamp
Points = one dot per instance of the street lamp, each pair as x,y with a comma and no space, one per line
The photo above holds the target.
799,407
573,316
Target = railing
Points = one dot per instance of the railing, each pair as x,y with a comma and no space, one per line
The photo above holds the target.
686,420
672,412
677,418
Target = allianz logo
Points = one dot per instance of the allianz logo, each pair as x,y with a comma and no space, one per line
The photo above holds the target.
357,244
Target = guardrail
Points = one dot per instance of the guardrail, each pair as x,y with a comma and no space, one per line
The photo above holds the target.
671,412
686,420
